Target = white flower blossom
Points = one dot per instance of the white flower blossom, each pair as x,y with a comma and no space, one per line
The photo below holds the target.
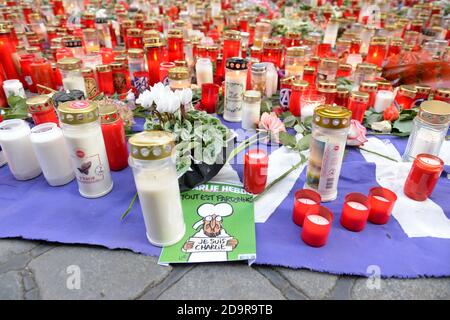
382,126
169,102
145,99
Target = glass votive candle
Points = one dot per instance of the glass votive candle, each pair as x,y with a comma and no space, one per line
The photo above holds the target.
383,99
328,89
405,96
355,212
342,96
423,176
309,102
357,104
105,79
298,89
317,226
256,164
381,203
344,70
371,87
304,201
41,109
164,68
210,97
309,75
179,78
91,41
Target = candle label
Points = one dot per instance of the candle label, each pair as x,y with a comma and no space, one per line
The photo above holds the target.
120,82
234,92
324,165
285,95
89,168
91,87
140,82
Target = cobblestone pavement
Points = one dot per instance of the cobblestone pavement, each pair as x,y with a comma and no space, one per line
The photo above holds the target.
40,270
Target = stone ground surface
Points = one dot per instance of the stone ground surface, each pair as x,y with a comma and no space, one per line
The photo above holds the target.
40,270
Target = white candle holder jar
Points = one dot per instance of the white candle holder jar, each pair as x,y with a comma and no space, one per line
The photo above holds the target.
16,145
81,128
235,84
72,76
430,127
153,164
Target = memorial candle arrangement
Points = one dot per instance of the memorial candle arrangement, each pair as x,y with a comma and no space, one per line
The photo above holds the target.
157,185
83,134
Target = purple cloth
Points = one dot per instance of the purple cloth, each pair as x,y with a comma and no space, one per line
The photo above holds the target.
34,210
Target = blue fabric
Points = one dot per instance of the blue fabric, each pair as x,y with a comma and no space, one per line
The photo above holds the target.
34,210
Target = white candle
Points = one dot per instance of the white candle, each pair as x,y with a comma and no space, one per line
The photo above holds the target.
316,219
306,201
74,82
354,59
251,109
331,33
357,205
383,99
430,161
271,80
425,141
16,145
13,87
381,198
51,151
2,158
204,71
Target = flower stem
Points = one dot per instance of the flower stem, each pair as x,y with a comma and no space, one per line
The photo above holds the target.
284,175
379,154
129,207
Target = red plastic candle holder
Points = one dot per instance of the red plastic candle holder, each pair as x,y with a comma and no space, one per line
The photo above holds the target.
425,172
164,68
210,97
317,226
107,55
155,55
381,203
355,212
304,201
115,141
256,163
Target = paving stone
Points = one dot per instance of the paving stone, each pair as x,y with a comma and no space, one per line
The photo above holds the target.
103,274
15,263
28,280
393,289
32,295
314,284
10,286
9,247
219,281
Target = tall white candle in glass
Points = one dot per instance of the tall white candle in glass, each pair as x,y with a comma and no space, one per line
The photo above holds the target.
383,99
16,145
235,84
294,62
51,151
251,109
72,77
271,79
204,71
152,161
331,32
87,152
13,87
367,34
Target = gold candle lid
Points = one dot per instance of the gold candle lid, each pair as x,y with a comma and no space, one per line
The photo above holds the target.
328,86
152,145
103,68
153,43
39,103
252,96
232,35
300,85
175,33
435,112
135,53
369,86
443,92
87,72
271,44
293,35
108,113
128,24
378,41
116,65
178,73
366,67
69,63
134,32
152,34
78,112
343,92
345,66
332,117
408,90
150,24
423,88
295,52
309,70
360,96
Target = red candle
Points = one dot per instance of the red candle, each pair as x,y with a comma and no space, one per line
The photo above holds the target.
256,53
114,137
3,100
381,203
442,94
134,38
56,76
342,96
6,51
175,45
41,73
292,39
210,97
357,104
25,61
395,47
155,55
317,226
355,212
41,109
324,50
231,46
328,89
377,51
164,68
304,201
355,46
405,96
425,172
58,7
371,87
272,52
309,75
120,77
105,79
255,171
299,88
344,70
107,55
90,82
285,91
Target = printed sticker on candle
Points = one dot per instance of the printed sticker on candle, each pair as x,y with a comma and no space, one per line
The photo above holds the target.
285,94
120,81
234,92
89,168
91,87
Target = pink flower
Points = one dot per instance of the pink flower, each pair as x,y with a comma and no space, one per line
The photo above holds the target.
357,134
272,124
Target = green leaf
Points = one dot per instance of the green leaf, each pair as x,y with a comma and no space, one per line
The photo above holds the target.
183,165
287,140
266,106
403,127
303,143
299,129
371,116
290,121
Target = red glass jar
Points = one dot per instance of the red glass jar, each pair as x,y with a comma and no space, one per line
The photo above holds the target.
105,79
200,51
175,45
243,24
384,85
90,82
107,55
324,50
371,87
405,97
309,75
41,109
314,62
42,74
425,172
317,226
164,68
423,93
155,55
124,26
304,201
272,52
377,51
442,94
25,61
63,53
139,20
256,163
342,96
120,77
256,53
344,70
57,77
291,39
357,104
212,52
3,100
298,89
114,136
355,46
395,47
285,91
231,46
88,20
58,7
134,39
6,51
328,89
